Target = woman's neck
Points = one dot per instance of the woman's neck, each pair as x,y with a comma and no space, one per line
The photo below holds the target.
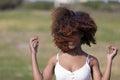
75,52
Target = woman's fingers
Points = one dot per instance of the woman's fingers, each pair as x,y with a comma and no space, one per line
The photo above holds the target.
112,51
34,40
34,44
36,37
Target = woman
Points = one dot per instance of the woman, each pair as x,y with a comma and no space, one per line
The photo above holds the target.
70,30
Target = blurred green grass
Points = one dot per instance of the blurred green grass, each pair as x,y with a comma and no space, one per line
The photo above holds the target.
18,26
20,20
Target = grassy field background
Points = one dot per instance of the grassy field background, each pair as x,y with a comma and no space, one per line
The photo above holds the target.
18,26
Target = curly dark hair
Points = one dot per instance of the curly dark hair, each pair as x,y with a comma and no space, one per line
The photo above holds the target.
67,24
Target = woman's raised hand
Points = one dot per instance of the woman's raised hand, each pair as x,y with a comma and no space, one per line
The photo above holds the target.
112,52
33,44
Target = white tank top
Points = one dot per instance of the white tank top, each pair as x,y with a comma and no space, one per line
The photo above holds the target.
82,73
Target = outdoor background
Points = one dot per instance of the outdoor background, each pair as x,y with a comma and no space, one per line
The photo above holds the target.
20,20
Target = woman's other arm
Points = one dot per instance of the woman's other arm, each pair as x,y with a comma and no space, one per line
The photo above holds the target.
112,52
96,74
49,70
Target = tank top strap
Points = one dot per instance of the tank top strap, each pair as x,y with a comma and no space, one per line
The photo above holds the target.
57,57
88,60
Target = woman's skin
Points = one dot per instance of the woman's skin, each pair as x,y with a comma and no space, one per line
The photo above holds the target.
65,61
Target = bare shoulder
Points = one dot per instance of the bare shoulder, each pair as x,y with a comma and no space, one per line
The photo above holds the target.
52,60
93,60
49,70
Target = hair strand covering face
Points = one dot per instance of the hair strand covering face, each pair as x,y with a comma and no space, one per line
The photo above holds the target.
67,24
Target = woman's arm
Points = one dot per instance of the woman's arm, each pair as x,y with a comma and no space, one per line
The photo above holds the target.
33,44
96,74
48,72
37,75
112,51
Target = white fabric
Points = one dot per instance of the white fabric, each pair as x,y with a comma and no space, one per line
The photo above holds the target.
81,74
